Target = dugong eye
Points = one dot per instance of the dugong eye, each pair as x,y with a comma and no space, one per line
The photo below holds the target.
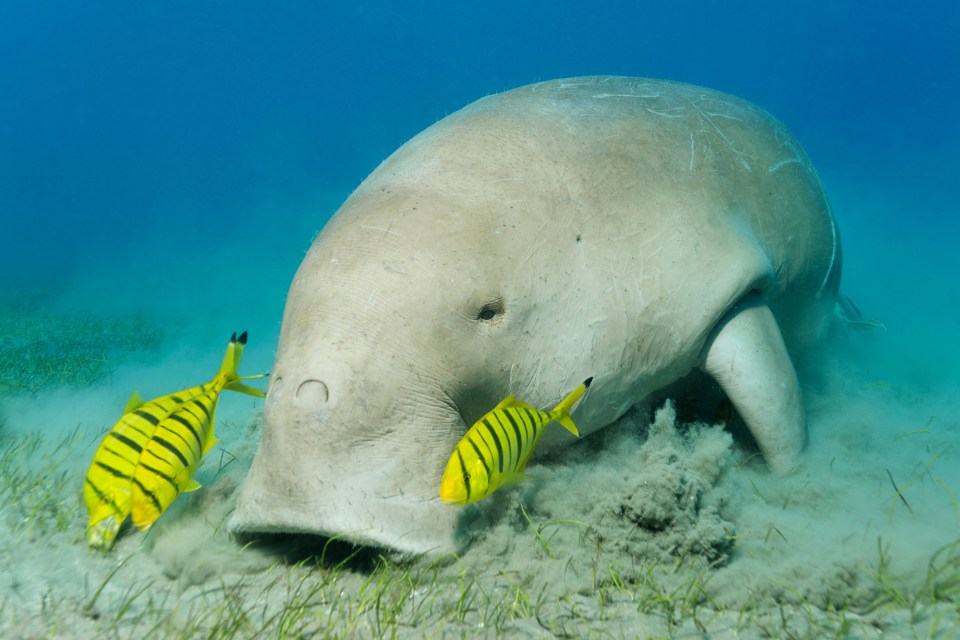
490,311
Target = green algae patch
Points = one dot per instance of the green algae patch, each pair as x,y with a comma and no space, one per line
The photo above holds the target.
41,349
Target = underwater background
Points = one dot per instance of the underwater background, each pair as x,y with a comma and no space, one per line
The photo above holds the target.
165,165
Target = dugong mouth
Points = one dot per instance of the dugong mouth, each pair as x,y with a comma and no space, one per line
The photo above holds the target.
398,523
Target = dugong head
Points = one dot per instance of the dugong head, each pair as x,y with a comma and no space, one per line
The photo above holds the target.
403,325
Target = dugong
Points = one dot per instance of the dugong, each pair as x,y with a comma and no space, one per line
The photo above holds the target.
628,229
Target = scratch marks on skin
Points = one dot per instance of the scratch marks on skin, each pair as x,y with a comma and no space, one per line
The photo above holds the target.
833,256
708,117
675,112
793,159
644,96
596,342
717,114
776,167
386,232
693,151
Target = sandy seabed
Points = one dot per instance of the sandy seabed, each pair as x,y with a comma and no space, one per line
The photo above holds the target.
651,528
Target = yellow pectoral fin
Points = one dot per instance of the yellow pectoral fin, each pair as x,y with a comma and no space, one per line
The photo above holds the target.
192,485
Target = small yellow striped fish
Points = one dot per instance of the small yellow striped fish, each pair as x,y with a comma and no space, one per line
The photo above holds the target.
150,455
495,450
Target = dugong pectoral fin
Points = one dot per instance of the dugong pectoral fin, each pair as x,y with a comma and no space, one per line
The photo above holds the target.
746,355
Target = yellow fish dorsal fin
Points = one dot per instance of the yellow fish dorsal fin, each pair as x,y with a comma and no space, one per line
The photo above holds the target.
506,402
134,403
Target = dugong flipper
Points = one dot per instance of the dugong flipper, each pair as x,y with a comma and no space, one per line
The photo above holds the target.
627,229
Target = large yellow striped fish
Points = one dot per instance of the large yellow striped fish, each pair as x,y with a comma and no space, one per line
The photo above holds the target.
495,450
150,455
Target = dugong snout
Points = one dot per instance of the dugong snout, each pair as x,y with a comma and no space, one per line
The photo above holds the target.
319,473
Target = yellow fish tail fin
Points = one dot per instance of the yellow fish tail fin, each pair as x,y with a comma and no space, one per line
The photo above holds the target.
231,359
231,362
561,413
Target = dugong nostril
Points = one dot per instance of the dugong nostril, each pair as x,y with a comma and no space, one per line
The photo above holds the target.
275,386
312,392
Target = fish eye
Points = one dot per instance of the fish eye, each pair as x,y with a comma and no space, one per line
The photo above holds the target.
490,310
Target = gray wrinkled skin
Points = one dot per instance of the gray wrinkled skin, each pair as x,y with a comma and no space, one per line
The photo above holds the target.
627,229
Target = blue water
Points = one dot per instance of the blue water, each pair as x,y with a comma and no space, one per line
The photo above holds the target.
190,121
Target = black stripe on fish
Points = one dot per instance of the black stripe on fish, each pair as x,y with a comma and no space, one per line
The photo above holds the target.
501,424
483,460
466,476
156,471
127,441
190,410
521,441
199,403
536,418
159,457
189,426
149,494
185,442
505,439
119,455
496,441
146,415
489,457
166,445
182,396
112,471
131,424
531,422
103,497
